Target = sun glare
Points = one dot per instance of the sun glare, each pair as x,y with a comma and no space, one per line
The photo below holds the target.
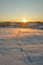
24,20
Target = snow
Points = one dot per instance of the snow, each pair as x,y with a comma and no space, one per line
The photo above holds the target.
19,46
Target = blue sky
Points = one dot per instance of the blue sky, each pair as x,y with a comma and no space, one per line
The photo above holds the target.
18,9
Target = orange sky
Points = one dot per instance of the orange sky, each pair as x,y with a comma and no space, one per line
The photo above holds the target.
21,19
16,10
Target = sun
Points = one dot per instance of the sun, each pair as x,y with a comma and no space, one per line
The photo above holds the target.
24,20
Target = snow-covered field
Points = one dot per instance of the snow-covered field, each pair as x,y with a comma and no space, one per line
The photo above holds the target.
19,46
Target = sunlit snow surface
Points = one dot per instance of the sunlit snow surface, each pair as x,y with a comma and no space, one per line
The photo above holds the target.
19,46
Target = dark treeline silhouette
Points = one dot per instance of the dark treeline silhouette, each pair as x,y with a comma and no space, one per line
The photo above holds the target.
34,25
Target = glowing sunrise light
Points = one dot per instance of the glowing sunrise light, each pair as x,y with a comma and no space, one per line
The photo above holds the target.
24,20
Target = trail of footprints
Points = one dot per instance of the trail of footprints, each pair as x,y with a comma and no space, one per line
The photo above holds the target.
27,57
